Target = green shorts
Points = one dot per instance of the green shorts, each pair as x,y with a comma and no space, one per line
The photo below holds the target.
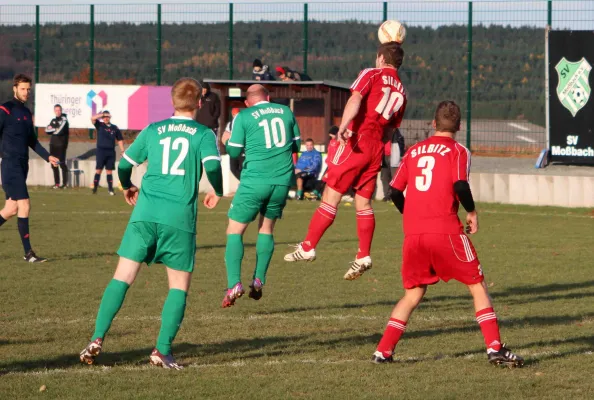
150,243
253,199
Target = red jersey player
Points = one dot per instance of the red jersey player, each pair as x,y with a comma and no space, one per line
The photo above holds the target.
435,174
376,104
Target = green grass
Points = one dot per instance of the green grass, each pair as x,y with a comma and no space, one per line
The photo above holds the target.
312,334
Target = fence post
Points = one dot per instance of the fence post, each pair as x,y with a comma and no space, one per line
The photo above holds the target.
158,44
36,53
305,38
385,11
230,41
469,79
92,53
550,13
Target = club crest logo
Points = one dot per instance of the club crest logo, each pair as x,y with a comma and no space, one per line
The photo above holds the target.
96,101
573,88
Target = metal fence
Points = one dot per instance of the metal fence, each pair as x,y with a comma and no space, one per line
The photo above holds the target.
486,55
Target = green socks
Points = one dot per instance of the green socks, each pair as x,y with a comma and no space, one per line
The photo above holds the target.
264,250
171,319
233,257
112,300
299,194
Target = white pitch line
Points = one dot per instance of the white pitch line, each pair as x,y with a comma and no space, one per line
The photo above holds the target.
526,139
517,126
86,370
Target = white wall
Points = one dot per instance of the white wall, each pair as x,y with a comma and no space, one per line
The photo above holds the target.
536,190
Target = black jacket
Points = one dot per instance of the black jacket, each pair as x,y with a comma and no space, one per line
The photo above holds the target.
210,111
17,133
262,75
60,131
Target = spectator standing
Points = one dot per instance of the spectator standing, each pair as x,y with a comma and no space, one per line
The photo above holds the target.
59,130
393,152
210,111
261,72
108,135
308,168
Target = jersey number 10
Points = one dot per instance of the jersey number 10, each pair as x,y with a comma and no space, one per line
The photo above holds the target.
390,103
181,144
279,136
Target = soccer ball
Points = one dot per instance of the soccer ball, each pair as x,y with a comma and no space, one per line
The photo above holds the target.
391,31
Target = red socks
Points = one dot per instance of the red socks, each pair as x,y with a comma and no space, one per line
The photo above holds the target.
487,320
365,229
392,335
320,222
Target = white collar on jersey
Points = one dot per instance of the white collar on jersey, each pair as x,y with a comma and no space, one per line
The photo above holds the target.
261,102
181,117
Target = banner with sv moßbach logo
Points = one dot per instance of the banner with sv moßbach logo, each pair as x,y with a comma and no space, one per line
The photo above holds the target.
571,108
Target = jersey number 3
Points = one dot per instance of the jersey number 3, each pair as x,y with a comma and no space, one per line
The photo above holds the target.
180,144
390,103
427,163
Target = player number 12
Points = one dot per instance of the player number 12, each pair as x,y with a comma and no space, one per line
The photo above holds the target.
177,143
390,103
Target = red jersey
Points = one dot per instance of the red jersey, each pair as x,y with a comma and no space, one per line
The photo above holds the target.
428,172
383,104
332,147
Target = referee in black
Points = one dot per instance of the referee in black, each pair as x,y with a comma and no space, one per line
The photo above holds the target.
17,134
59,130
108,135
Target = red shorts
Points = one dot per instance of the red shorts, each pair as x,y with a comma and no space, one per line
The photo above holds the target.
356,165
429,257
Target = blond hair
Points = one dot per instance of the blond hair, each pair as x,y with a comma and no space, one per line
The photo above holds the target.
185,94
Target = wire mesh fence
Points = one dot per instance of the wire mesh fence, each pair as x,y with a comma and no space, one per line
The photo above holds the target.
486,55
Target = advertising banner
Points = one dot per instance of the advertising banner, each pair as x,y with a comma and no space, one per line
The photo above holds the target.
571,108
132,107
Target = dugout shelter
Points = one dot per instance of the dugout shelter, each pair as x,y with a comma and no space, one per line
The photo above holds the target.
317,105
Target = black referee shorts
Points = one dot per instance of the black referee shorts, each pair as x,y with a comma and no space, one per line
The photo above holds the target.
14,178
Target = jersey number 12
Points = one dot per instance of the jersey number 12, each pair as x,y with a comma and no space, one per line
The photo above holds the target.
181,144
279,136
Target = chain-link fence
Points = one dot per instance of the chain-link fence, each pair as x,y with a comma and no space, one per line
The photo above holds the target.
486,55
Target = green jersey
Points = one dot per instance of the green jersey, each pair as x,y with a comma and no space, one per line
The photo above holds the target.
175,148
268,133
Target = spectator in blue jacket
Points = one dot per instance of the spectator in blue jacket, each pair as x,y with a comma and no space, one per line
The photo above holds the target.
308,168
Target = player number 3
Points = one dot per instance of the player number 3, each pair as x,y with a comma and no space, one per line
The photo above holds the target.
424,182
177,143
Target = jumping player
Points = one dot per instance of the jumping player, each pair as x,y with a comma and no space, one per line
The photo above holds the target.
162,228
270,135
435,175
17,134
376,105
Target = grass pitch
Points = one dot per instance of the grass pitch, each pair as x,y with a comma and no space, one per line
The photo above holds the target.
312,334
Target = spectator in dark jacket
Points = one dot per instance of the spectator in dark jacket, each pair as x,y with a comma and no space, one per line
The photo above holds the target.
208,114
393,152
261,72
59,129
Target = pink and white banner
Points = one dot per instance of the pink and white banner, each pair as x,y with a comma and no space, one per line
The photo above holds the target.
131,106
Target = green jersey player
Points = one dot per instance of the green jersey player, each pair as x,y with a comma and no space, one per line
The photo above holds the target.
162,228
269,135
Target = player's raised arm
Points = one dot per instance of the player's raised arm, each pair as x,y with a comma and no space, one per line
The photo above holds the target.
236,142
399,183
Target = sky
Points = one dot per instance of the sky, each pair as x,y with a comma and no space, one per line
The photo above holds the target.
567,14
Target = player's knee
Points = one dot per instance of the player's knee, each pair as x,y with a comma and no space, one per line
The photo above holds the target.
108,172
98,171
414,296
362,203
10,210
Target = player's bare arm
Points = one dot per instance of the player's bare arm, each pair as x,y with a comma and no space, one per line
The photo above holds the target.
121,145
95,117
211,200
350,112
225,138
131,195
